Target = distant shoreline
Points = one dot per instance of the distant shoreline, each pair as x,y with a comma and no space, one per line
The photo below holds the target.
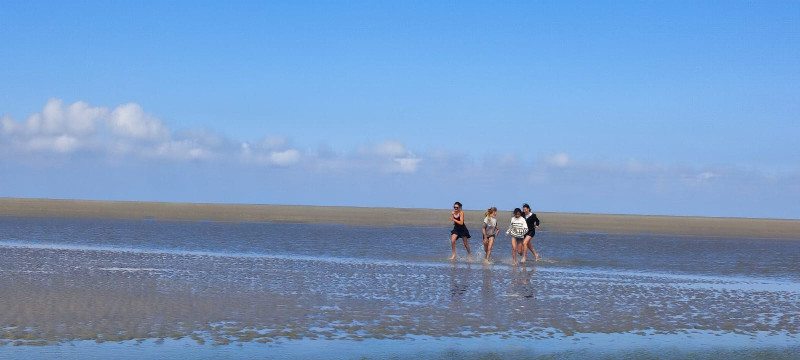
372,216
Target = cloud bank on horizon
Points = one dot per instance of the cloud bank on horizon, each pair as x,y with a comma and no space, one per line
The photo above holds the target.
127,137
127,131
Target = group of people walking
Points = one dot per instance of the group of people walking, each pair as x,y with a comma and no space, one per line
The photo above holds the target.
522,229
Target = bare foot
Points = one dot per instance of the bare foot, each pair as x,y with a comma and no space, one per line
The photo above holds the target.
536,257
453,257
523,260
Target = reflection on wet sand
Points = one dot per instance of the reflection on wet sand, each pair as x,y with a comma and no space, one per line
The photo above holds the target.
59,295
270,287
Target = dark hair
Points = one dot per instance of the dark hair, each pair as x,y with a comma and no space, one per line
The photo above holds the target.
526,206
459,204
517,210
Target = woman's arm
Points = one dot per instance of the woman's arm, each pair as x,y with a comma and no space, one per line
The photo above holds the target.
511,225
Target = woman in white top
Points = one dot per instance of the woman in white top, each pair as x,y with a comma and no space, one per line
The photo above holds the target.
490,229
517,230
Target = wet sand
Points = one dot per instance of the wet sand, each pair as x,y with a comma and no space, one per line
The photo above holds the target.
551,221
76,286
59,295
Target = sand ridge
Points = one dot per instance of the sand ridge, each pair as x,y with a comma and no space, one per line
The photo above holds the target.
371,216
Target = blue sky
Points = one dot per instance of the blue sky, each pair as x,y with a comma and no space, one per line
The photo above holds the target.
645,107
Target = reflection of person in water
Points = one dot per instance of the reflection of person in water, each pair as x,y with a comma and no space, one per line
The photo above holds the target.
458,284
488,299
521,282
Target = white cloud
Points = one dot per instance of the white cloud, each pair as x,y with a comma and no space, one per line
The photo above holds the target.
180,150
129,131
57,128
130,120
391,148
697,179
388,157
393,156
262,155
76,119
61,128
7,124
558,160
407,165
60,143
283,158
706,175
64,129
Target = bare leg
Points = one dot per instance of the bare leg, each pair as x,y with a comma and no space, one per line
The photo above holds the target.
529,242
514,250
466,245
453,245
489,248
524,246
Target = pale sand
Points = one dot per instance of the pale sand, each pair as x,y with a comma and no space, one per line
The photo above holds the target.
551,221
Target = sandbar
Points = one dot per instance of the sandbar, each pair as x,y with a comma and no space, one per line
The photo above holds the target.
386,216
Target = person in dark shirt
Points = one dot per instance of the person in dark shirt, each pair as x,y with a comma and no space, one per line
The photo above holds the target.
533,224
459,229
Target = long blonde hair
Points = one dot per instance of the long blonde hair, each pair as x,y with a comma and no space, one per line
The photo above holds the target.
489,212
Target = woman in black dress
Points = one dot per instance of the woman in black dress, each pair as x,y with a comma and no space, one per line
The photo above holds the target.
533,224
459,229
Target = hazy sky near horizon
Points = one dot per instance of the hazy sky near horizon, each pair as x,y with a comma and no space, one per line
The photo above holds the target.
646,107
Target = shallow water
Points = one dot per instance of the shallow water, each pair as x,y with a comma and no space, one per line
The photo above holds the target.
70,284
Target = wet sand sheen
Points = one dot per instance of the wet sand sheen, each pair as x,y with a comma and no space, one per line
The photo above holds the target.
552,221
63,295
73,273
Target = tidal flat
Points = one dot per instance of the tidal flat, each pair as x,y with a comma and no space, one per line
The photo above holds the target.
78,286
